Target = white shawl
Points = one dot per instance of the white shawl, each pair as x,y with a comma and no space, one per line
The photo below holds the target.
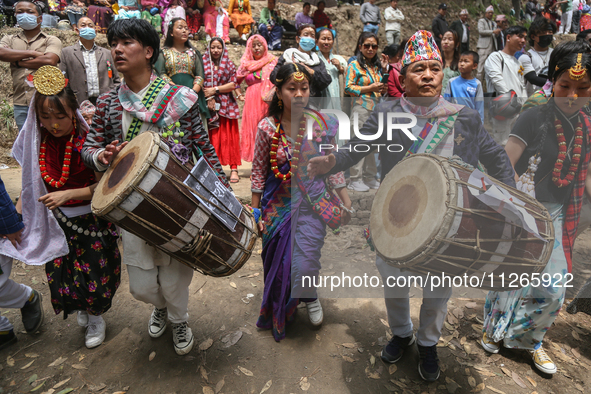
43,239
292,54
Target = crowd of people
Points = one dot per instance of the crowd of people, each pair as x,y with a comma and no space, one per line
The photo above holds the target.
77,108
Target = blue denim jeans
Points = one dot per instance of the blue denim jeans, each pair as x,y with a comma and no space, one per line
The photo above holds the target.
20,115
371,28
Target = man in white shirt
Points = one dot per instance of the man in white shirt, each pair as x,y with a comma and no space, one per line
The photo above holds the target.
504,73
393,17
535,60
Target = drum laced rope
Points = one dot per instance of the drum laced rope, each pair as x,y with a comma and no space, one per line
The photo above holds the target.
201,243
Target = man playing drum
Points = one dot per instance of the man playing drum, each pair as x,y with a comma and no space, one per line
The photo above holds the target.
443,129
145,102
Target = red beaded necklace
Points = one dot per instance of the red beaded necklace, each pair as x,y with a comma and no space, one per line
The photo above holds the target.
65,166
296,150
574,164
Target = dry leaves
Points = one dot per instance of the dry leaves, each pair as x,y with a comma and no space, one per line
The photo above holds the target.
372,374
392,368
372,360
478,388
232,338
203,373
506,371
151,356
219,386
349,345
207,390
28,365
245,371
533,382
58,362
10,361
266,387
31,355
495,390
60,384
384,322
304,384
233,285
518,380
576,335
78,366
471,381
206,344
348,359
471,305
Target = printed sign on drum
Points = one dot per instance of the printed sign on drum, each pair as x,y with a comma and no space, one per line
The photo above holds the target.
213,194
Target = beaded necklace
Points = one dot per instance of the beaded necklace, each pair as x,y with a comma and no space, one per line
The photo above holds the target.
574,164
294,160
65,166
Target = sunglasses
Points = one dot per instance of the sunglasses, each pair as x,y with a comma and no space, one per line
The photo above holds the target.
372,46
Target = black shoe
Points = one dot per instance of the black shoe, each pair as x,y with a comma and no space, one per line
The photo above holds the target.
394,350
429,363
7,339
32,313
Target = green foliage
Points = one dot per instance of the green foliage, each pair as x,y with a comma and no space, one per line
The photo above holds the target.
7,123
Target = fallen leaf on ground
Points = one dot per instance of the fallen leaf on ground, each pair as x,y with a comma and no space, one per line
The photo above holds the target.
304,384
471,381
348,345
206,344
495,390
506,371
478,388
60,384
233,285
28,365
66,391
58,362
348,359
245,371
467,348
463,341
208,390
98,387
10,361
266,387
471,305
384,322
576,335
452,319
317,337
372,374
31,355
78,366
448,326
372,360
477,328
533,382
232,338
203,373
32,378
151,356
50,391
579,387
392,368
518,380
219,386
38,387
576,353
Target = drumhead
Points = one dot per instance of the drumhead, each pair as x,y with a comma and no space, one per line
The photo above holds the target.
127,169
409,207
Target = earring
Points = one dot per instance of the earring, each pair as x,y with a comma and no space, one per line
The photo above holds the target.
74,122
280,103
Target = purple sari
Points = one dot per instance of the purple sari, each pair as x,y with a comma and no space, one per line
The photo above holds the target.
291,246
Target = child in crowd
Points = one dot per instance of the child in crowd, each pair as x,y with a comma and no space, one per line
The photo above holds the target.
87,110
465,89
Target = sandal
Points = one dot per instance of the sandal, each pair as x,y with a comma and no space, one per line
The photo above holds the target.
234,180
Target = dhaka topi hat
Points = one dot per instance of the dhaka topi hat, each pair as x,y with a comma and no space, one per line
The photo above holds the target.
464,12
489,9
421,46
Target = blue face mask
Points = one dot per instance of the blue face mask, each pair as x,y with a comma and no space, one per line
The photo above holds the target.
27,21
307,43
87,33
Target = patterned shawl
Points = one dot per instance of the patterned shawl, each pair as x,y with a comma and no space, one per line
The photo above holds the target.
225,73
440,109
248,64
573,209
171,103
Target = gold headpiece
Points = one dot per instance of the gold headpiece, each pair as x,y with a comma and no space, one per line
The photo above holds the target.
578,72
298,76
49,80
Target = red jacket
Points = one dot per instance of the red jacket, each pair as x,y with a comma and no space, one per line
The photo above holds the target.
394,87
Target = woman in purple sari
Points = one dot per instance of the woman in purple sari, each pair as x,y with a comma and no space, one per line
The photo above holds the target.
288,200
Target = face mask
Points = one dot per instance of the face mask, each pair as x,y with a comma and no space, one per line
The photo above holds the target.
545,41
307,43
87,33
27,21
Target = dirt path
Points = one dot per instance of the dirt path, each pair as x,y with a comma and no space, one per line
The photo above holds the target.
340,357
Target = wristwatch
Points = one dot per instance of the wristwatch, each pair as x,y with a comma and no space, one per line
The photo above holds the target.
217,90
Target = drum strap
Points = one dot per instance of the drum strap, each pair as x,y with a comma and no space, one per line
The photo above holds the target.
443,129
148,100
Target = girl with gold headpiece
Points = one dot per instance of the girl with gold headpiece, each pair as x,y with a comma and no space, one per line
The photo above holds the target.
549,149
288,200
83,263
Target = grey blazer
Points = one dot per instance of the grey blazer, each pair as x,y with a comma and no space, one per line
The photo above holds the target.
485,34
72,63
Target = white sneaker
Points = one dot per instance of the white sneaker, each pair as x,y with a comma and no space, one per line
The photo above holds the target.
244,37
157,323
315,312
373,184
358,186
82,318
182,338
95,332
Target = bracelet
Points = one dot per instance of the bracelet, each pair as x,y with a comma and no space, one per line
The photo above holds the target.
16,64
199,81
351,211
